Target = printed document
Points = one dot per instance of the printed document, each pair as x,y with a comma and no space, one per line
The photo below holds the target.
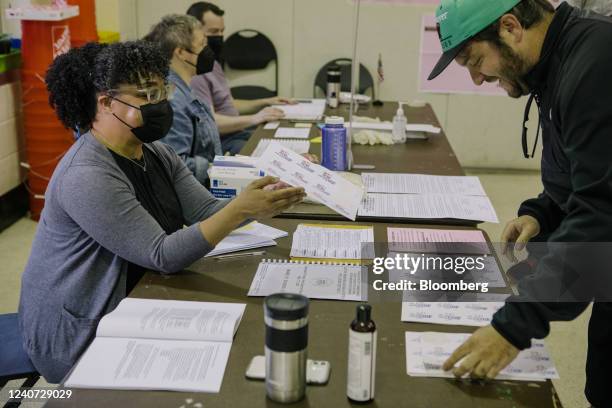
399,183
428,206
438,241
313,280
321,184
152,344
333,242
427,351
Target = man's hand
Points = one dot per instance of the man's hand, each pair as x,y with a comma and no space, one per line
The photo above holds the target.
518,231
269,114
486,353
279,100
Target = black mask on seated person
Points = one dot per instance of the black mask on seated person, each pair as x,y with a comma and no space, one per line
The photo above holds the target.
215,42
205,62
157,120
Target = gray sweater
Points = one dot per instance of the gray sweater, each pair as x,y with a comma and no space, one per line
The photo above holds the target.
91,226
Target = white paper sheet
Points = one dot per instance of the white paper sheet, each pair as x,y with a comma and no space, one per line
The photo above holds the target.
254,235
452,313
172,320
429,269
148,364
439,241
333,242
321,184
316,281
311,110
427,351
428,206
271,125
398,183
262,230
292,133
298,146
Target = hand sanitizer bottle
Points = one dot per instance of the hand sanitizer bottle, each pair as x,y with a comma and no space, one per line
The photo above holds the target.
399,126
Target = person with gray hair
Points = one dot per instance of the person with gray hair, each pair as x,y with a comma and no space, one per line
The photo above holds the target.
194,134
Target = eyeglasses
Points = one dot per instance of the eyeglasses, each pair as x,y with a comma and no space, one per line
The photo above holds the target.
525,120
152,94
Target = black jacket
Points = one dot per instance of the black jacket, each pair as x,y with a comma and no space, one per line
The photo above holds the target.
572,83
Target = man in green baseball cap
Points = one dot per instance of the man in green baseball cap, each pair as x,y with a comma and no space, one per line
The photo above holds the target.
563,59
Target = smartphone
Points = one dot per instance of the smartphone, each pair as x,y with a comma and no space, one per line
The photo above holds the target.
317,371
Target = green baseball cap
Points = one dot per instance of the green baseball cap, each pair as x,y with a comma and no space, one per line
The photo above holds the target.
459,20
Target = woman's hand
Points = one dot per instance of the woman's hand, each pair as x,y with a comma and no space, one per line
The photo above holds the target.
259,201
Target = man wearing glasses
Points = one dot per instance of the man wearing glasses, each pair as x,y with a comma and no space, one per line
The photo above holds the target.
563,59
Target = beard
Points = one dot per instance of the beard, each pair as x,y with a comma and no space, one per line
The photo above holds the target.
512,71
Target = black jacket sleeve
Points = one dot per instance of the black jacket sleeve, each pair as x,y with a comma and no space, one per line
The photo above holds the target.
545,210
573,272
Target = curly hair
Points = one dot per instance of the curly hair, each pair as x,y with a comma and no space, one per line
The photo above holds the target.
76,78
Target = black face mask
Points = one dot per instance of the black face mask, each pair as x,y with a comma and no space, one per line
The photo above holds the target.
157,120
206,61
215,42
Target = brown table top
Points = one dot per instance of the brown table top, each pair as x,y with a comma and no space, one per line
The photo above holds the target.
228,281
432,156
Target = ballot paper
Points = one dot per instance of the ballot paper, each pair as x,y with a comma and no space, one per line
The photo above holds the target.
305,110
271,125
432,267
313,280
321,184
153,344
400,183
453,313
292,133
333,242
437,241
253,235
298,146
428,206
427,351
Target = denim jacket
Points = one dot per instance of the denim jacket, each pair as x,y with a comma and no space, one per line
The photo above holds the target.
194,134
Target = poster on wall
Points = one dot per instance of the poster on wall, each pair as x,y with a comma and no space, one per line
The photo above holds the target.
454,79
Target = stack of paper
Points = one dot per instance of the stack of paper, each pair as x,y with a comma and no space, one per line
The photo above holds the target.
427,351
333,242
431,267
400,183
298,146
424,196
320,184
313,280
453,313
305,110
292,133
151,344
428,206
437,241
253,235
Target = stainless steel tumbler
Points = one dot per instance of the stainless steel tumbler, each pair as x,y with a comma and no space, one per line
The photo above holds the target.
286,318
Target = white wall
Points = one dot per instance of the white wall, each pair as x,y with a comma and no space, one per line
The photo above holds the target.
485,131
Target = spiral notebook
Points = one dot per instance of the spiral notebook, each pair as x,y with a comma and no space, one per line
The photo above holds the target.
316,280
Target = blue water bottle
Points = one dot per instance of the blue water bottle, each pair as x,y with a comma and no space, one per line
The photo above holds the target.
333,146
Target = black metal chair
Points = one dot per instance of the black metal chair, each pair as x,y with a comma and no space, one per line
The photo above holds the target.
366,81
14,361
250,50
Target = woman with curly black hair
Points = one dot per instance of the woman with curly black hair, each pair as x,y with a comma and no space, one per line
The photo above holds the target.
117,202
